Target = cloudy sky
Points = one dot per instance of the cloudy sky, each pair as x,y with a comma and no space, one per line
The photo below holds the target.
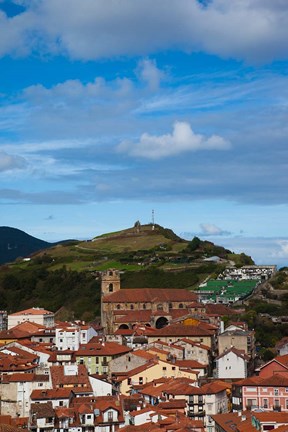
112,108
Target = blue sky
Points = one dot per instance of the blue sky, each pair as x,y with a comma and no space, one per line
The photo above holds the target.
109,109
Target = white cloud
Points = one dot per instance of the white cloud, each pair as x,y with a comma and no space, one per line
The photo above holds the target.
99,28
282,252
181,140
208,229
11,162
150,74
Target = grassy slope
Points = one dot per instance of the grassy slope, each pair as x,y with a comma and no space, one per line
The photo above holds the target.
50,279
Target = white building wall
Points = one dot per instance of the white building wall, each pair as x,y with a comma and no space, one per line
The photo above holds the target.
100,388
231,366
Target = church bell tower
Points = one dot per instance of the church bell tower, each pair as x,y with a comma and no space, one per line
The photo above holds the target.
110,282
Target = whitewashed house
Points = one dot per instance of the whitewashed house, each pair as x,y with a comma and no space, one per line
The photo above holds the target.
232,364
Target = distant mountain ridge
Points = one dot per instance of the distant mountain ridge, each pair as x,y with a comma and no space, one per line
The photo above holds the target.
15,243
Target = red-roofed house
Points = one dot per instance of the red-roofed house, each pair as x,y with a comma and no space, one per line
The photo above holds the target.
16,389
35,314
96,356
232,364
277,365
267,393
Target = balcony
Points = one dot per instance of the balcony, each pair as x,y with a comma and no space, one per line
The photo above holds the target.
277,408
193,414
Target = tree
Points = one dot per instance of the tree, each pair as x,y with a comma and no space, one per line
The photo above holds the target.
194,244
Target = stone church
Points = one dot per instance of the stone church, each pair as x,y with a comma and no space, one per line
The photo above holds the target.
154,307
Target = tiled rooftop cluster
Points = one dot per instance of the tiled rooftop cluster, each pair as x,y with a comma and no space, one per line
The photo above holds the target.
158,369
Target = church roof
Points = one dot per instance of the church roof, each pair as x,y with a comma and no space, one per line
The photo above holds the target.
136,295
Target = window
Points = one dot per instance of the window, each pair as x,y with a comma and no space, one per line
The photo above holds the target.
144,306
140,380
209,407
129,381
110,415
276,392
173,368
181,306
265,403
164,368
110,287
118,306
61,403
131,306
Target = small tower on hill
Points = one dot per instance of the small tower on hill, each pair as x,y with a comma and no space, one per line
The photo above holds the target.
110,282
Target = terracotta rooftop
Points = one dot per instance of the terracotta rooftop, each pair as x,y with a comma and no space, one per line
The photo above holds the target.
78,380
135,295
193,343
273,380
144,354
48,394
29,327
42,410
173,403
190,364
14,334
24,377
183,330
102,349
215,387
32,311
271,417
218,309
232,421
238,353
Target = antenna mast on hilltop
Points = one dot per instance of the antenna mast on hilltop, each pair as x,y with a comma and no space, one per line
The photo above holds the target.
153,224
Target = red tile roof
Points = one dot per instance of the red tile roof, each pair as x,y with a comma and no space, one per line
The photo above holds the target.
232,421
238,353
80,380
48,394
183,330
24,377
102,349
32,311
190,364
273,380
135,295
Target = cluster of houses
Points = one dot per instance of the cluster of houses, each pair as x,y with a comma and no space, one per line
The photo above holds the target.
159,361
249,272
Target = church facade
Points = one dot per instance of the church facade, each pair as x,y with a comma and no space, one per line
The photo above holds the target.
153,307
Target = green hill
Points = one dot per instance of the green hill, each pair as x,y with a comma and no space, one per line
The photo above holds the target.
15,243
65,276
